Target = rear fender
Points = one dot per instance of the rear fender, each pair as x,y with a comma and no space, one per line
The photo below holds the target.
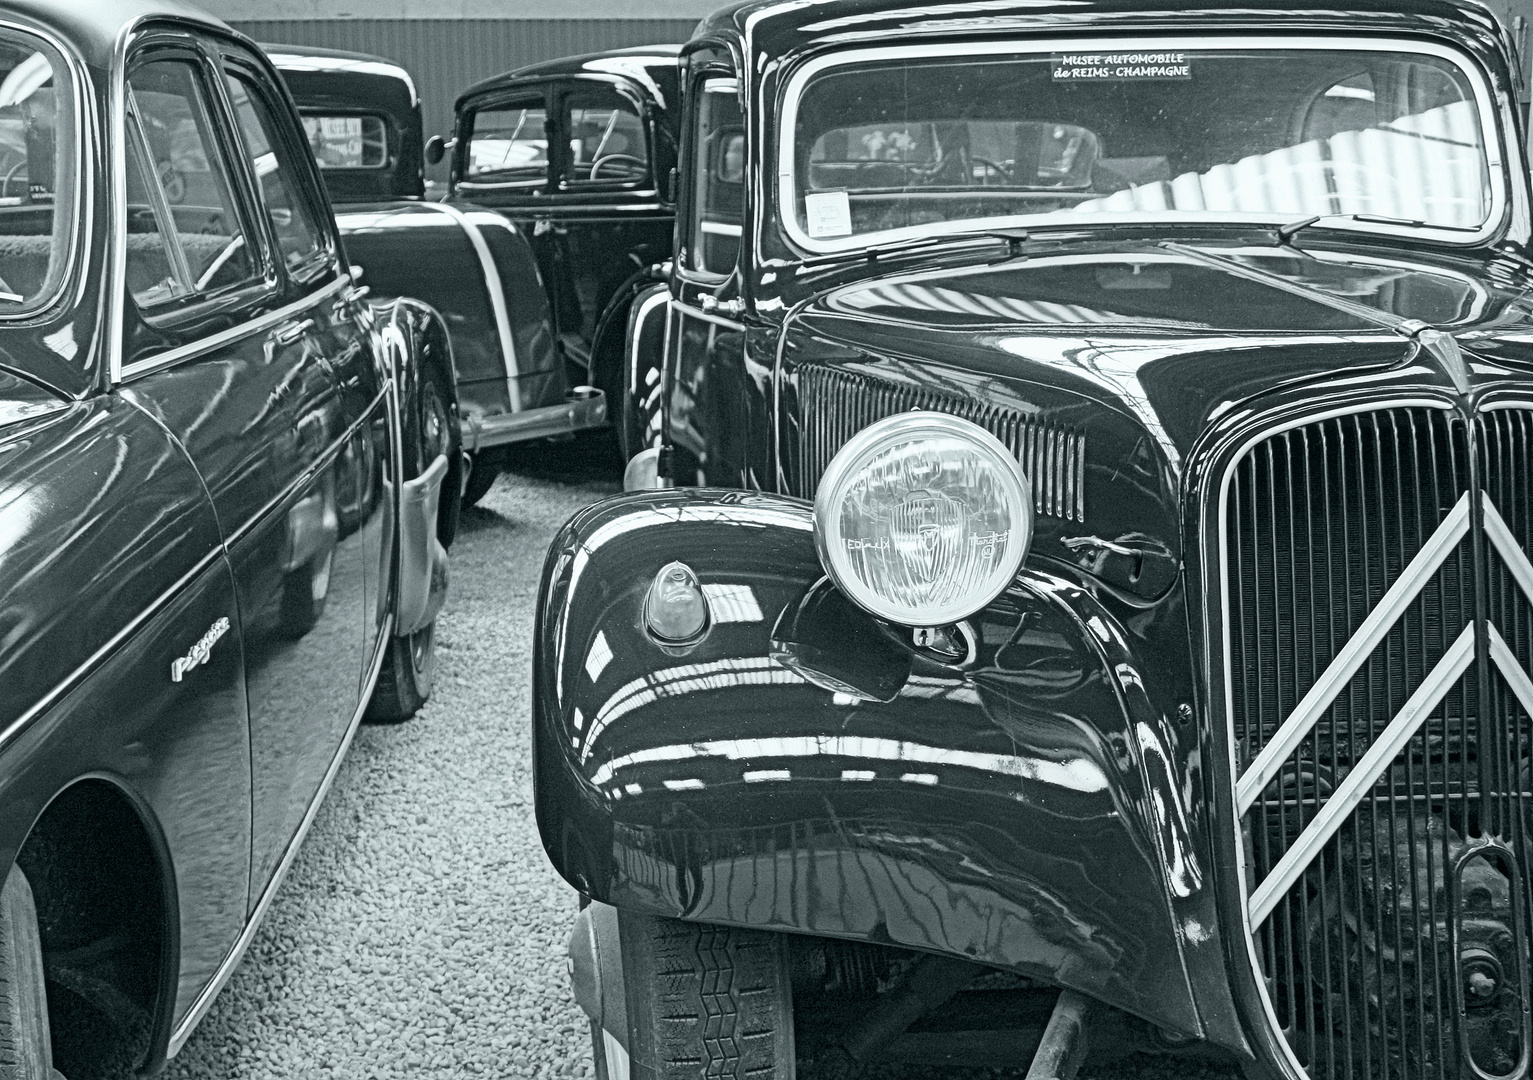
997,808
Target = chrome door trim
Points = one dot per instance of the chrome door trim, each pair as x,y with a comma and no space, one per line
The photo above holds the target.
204,1000
191,350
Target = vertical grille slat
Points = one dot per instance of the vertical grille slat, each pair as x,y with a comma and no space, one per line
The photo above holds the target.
835,404
1357,958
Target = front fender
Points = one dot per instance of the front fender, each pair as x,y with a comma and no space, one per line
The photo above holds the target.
998,809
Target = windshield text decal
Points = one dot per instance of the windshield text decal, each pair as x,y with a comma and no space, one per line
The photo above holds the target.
1101,67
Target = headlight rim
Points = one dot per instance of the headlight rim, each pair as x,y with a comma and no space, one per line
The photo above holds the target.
891,430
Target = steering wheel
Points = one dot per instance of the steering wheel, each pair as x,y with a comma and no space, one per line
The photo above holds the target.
5,188
992,167
626,159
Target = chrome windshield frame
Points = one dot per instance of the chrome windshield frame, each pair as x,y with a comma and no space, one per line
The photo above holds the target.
1493,124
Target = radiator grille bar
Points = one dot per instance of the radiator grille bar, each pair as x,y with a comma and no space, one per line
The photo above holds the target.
834,405
1369,953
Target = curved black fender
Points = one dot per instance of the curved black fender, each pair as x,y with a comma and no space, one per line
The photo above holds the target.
1002,807
611,355
413,340
644,368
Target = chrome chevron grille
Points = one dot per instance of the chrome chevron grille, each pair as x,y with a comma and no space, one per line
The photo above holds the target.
834,405
1381,737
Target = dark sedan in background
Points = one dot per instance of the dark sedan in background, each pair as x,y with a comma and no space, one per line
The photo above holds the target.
221,538
580,154
363,122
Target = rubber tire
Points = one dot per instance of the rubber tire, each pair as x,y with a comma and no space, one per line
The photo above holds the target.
705,1001
27,1047
640,428
480,478
404,684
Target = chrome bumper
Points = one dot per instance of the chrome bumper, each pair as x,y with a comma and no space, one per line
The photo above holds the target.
586,407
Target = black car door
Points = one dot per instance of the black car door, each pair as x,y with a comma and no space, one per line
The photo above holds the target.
231,337
709,420
605,216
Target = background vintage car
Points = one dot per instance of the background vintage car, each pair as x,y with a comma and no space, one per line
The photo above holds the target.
598,209
363,121
1224,340
221,536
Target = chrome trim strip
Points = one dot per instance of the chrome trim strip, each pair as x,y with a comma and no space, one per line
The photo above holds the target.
1511,670
261,323
1333,681
1496,126
204,1000
495,287
86,666
662,296
1216,539
1372,765
1507,547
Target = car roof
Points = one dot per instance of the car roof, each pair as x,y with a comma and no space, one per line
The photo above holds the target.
647,65
779,27
93,28
309,67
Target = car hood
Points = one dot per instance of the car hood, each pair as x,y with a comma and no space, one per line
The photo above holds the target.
1141,351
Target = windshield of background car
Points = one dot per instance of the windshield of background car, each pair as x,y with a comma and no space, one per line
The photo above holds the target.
897,143
38,171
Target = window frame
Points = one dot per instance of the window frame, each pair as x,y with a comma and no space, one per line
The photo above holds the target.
184,315
307,178
564,183
686,211
1497,131
517,97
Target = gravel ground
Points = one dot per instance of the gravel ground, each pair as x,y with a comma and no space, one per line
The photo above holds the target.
421,930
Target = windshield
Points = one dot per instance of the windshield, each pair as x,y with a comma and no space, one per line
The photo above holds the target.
37,171
887,146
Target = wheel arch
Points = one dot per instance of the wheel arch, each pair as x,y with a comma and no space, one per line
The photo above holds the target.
100,867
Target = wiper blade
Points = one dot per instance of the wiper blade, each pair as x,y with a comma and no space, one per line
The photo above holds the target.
1014,239
1289,230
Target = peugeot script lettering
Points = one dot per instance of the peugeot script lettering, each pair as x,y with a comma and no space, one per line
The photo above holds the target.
201,651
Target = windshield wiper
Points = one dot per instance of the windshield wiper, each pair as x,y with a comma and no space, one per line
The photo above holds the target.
1014,239
1288,231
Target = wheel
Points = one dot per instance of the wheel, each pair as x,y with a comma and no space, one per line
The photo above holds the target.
23,1000
404,684
703,1000
480,478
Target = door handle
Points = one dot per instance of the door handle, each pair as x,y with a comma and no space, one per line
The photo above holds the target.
288,333
714,306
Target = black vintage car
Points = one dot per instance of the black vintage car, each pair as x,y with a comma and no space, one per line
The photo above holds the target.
363,121
597,206
221,531
1106,609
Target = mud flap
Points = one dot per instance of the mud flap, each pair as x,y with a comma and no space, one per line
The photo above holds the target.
422,559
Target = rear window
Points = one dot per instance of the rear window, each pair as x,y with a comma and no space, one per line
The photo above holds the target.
347,142
38,171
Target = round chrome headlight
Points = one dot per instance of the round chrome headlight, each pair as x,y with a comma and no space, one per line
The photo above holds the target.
923,518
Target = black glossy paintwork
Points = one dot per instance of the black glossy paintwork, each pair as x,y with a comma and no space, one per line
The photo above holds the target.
409,247
136,513
590,241
330,82
424,251
1233,334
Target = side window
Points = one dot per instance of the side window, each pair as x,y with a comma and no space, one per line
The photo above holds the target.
185,236
718,178
299,237
347,142
508,145
606,137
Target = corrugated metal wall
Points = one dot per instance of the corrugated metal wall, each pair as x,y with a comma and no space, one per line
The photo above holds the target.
447,55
